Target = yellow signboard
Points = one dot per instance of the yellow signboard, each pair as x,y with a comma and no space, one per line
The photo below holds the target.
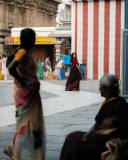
39,40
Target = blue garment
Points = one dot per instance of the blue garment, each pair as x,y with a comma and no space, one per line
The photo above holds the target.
67,59
62,74
82,67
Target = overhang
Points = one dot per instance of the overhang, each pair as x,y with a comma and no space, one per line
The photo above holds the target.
63,33
84,0
40,40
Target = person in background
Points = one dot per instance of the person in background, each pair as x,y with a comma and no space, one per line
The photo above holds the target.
58,67
1,75
0,63
48,67
83,69
111,122
74,60
30,131
67,61
73,81
4,70
40,69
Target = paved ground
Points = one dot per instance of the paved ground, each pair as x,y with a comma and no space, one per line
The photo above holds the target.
6,92
64,112
87,85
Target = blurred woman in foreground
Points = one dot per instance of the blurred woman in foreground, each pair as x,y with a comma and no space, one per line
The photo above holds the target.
30,132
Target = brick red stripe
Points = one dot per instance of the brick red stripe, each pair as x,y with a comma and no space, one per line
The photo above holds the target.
95,39
85,34
118,38
106,36
76,21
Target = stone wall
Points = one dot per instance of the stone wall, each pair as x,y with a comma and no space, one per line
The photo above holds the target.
22,13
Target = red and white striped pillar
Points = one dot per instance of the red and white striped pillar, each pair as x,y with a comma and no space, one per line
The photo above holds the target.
96,35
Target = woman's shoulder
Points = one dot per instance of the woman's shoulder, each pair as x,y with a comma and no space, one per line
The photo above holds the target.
20,53
122,100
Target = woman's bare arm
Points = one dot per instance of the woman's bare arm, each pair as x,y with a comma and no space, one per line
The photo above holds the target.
14,64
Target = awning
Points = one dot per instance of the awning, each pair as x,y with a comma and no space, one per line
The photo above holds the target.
61,34
40,40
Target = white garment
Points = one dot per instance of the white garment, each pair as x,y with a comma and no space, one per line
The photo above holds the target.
59,64
4,69
48,64
56,71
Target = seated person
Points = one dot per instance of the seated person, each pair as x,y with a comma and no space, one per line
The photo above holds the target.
110,122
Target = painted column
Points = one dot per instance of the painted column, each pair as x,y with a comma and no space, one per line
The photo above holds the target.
57,51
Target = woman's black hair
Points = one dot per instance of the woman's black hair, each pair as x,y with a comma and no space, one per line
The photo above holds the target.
27,38
72,56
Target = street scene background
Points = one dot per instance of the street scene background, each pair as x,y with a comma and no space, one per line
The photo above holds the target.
95,31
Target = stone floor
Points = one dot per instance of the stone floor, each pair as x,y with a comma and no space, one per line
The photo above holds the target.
57,127
64,112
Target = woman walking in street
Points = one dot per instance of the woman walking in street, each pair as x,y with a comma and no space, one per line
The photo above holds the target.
30,131
73,81
74,59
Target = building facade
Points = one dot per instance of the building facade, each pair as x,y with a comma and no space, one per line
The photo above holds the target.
64,17
97,35
63,28
23,13
45,45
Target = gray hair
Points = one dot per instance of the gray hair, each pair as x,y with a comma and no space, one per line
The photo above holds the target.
111,82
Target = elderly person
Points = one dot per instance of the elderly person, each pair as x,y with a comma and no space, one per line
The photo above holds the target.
110,122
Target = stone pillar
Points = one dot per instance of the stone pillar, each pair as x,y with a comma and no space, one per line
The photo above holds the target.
2,14
1,42
124,77
1,49
126,14
2,23
57,50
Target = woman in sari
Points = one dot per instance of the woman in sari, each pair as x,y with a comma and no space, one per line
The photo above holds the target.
73,81
74,60
1,75
4,67
111,122
30,132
